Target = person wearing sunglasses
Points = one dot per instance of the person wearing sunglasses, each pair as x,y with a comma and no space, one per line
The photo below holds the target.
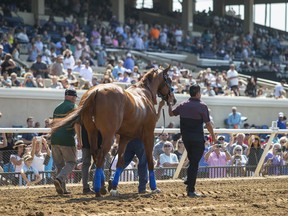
217,158
254,153
221,140
168,160
193,113
238,160
273,161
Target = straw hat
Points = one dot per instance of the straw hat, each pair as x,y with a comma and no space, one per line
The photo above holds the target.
62,78
28,157
18,144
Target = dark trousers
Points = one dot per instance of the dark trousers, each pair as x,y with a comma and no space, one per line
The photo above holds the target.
136,147
195,151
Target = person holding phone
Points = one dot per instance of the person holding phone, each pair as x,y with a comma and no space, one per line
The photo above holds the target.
40,158
217,156
273,161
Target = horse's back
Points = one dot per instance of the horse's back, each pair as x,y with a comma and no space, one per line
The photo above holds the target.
117,110
108,106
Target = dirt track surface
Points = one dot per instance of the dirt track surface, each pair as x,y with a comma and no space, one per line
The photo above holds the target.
261,196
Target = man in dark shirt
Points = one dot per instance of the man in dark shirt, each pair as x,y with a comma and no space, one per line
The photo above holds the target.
193,113
63,143
27,137
40,68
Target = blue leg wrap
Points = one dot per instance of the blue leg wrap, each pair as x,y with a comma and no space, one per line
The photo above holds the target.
102,178
152,180
116,177
97,179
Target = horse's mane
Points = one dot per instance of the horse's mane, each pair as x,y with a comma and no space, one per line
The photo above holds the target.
146,79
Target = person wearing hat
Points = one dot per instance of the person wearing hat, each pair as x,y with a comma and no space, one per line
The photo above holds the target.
118,69
27,169
129,62
126,76
63,143
279,89
221,140
17,160
234,119
57,68
69,60
64,81
281,122
217,156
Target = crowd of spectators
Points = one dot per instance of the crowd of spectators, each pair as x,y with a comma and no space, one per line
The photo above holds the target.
56,50
225,38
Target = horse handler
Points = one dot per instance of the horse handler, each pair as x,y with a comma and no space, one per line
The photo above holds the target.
135,147
63,143
193,113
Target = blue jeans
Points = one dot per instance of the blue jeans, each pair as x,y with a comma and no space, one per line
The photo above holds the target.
136,147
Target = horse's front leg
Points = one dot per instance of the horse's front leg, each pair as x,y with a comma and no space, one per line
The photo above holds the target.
149,144
120,165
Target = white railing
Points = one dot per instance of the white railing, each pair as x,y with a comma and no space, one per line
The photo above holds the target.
272,131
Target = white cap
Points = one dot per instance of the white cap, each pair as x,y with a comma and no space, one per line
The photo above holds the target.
281,114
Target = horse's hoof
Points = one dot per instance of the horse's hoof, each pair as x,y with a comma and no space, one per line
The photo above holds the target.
97,194
109,185
114,192
157,190
103,190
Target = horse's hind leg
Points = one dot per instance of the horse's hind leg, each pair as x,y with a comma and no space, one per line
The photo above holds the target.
99,177
120,165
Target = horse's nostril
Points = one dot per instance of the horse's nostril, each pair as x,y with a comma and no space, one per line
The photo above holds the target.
174,101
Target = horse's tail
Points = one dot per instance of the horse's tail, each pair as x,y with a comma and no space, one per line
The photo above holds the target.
70,119
75,116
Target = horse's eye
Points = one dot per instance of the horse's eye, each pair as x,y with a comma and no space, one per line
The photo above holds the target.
172,89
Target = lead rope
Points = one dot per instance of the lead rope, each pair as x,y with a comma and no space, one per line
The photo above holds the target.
110,171
163,113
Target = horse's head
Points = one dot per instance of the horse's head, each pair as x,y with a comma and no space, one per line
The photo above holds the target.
165,90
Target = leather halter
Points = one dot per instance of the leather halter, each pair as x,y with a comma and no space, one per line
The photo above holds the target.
167,83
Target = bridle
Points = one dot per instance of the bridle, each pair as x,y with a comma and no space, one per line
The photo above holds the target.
167,83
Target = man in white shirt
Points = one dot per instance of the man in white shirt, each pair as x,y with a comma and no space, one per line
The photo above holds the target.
279,89
78,66
232,79
86,72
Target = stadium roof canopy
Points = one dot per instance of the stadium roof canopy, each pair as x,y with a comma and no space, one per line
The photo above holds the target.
239,2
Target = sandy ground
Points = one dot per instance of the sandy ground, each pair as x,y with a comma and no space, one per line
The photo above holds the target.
249,196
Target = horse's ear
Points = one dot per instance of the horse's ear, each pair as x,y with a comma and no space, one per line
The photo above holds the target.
150,75
167,69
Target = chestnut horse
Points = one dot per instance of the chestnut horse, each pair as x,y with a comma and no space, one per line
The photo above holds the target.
110,110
